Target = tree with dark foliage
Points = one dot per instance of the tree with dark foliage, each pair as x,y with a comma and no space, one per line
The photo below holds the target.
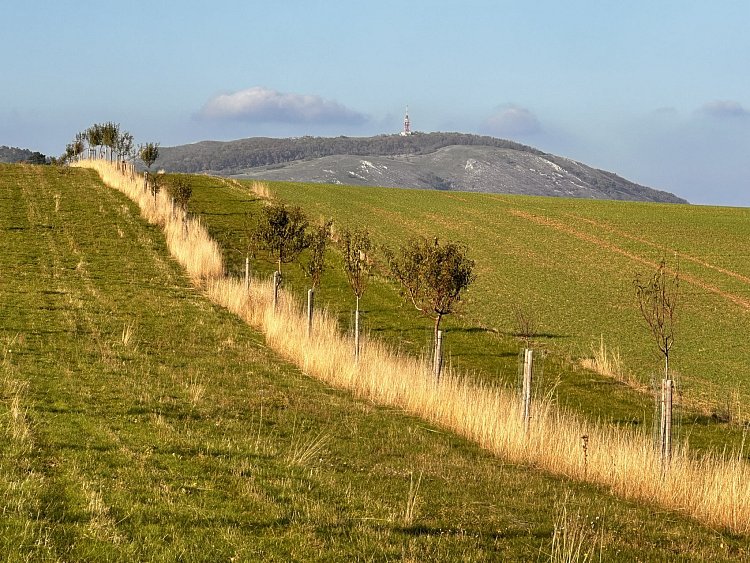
432,276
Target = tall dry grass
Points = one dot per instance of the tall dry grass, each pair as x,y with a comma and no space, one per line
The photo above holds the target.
608,363
712,489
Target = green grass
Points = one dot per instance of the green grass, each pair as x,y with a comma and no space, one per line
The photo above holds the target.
143,423
574,277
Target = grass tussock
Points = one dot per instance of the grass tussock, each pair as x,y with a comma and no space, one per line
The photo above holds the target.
712,489
608,362
412,499
576,537
261,189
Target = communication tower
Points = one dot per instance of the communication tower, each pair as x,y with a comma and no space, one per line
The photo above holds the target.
407,124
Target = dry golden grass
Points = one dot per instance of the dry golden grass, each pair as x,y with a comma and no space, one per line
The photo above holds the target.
609,364
13,390
261,189
714,490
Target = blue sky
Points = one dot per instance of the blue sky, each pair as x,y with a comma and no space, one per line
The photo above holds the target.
657,91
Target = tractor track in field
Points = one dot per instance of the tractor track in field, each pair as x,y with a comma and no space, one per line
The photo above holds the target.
560,226
744,279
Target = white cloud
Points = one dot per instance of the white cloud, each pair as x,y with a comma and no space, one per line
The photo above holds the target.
264,105
723,108
511,120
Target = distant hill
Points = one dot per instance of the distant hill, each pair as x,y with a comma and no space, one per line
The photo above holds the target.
444,161
13,154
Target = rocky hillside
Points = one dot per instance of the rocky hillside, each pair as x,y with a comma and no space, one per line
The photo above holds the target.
444,161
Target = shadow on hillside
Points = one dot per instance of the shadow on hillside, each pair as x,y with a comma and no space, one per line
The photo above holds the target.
222,214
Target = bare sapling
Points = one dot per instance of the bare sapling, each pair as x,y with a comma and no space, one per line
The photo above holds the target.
525,325
657,300
432,276
355,246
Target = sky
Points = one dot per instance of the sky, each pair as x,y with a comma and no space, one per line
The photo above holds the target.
656,91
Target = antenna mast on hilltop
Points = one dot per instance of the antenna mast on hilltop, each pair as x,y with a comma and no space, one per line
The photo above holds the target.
407,124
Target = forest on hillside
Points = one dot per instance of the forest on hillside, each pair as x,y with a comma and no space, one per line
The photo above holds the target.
13,154
231,156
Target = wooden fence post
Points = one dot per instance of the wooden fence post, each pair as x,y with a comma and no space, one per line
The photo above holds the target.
276,284
310,306
247,274
356,331
528,359
437,360
667,385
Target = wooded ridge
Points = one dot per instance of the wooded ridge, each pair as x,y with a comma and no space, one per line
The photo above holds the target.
446,161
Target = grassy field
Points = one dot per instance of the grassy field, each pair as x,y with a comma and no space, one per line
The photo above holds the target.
570,264
142,422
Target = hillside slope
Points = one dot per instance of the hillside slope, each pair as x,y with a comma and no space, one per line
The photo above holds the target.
443,161
143,423
571,265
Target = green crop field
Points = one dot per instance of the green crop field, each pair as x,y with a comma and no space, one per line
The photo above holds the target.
141,422
570,264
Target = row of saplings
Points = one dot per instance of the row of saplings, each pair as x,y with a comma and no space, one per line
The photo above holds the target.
432,275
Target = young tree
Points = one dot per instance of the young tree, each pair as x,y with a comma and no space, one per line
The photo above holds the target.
148,153
124,146
432,276
77,146
317,240
94,138
282,232
355,246
155,182
657,300
179,188
110,136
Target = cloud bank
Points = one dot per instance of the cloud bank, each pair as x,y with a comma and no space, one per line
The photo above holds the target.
511,120
264,105
723,109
